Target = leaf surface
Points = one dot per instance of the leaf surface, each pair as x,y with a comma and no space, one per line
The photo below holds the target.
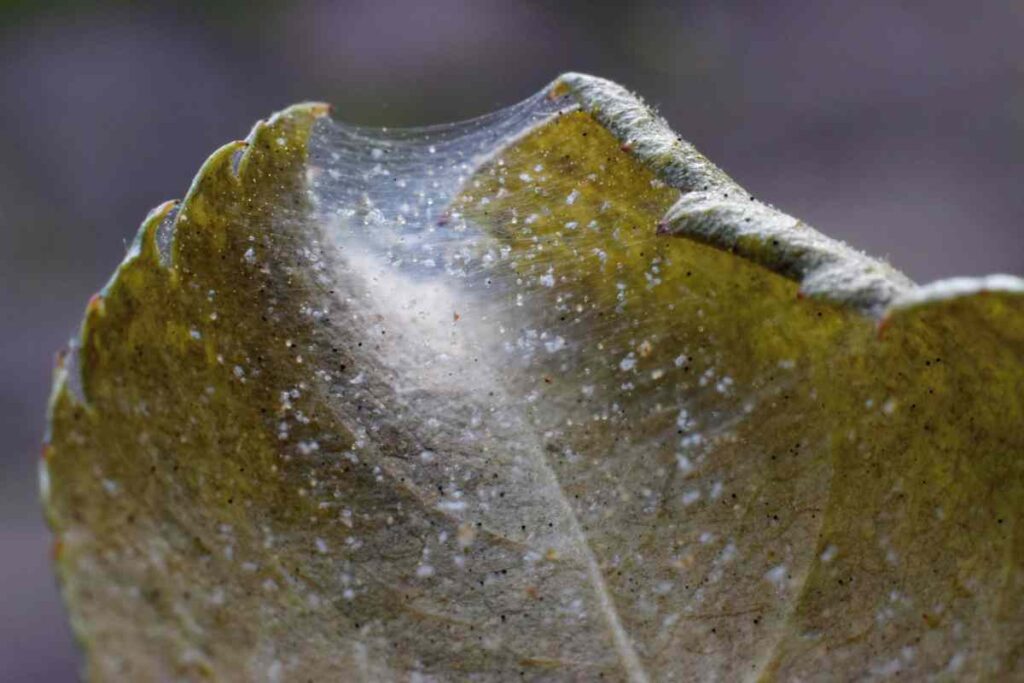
544,395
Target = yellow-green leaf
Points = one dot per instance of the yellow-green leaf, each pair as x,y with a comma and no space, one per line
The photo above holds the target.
542,395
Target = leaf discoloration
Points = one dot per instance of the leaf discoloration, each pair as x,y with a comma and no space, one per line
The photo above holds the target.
465,403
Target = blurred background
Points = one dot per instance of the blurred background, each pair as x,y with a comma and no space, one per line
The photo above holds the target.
896,126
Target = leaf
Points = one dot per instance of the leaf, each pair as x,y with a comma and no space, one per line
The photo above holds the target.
545,395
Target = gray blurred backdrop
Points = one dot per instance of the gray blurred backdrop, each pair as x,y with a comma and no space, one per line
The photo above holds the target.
896,126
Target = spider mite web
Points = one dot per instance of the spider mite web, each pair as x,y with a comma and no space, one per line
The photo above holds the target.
556,370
